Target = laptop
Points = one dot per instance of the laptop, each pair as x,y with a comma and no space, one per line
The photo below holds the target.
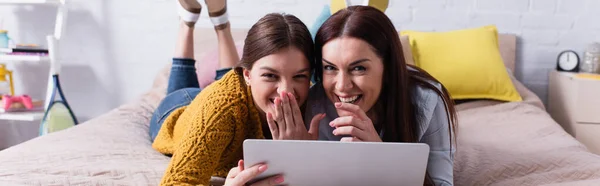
310,163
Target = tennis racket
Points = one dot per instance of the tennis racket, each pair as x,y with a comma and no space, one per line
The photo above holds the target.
58,114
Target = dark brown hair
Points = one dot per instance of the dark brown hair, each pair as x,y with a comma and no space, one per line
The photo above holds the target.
272,33
394,110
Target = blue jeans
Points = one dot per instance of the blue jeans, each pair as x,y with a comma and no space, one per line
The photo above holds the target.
182,88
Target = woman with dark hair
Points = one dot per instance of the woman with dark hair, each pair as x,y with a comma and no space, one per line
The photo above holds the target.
369,93
203,130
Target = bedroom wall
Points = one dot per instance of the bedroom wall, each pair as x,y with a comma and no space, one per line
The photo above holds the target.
114,48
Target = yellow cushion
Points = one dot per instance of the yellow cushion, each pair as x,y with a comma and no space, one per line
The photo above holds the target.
467,62
337,5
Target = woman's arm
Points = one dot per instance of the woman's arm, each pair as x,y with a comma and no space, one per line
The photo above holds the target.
197,155
441,155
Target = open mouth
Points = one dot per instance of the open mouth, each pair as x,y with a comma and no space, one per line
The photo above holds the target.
350,99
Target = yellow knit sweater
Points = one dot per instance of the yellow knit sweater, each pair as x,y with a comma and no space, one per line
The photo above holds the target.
205,137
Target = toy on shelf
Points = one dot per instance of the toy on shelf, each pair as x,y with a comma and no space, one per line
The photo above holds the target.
6,87
9,100
4,39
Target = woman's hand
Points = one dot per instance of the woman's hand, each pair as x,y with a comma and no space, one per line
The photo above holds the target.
238,176
287,123
358,125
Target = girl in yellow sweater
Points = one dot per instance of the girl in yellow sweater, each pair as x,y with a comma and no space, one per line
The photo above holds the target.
203,130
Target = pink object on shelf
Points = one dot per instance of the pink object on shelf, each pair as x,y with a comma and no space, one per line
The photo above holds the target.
25,99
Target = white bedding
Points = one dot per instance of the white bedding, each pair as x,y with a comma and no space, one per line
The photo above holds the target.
518,144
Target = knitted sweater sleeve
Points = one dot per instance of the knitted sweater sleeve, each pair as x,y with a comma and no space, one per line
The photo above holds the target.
199,152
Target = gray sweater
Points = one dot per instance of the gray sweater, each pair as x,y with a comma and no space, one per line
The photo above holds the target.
431,118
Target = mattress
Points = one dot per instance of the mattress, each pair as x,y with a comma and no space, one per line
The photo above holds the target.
518,144
113,149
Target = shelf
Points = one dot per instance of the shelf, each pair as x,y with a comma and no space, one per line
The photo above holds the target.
22,116
29,2
28,58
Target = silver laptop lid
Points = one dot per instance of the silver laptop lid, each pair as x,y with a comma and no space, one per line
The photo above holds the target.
313,163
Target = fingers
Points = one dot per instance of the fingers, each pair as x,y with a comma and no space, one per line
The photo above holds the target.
350,131
297,114
287,111
272,126
273,180
233,172
279,115
348,121
241,165
352,108
248,174
314,124
350,139
236,170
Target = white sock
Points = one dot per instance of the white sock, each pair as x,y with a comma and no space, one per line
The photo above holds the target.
219,20
185,15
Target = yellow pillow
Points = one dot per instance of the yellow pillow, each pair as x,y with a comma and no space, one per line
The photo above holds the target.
467,62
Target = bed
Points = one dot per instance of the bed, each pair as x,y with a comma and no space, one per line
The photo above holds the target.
498,143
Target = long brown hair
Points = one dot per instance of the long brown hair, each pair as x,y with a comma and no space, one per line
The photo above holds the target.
394,110
272,33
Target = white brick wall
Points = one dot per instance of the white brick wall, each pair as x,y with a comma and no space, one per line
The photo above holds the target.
543,6
544,27
116,47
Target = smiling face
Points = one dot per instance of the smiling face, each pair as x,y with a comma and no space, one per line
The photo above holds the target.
352,72
286,70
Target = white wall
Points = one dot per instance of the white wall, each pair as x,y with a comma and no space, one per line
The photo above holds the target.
113,48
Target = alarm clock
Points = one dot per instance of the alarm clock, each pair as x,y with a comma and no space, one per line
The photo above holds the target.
568,61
